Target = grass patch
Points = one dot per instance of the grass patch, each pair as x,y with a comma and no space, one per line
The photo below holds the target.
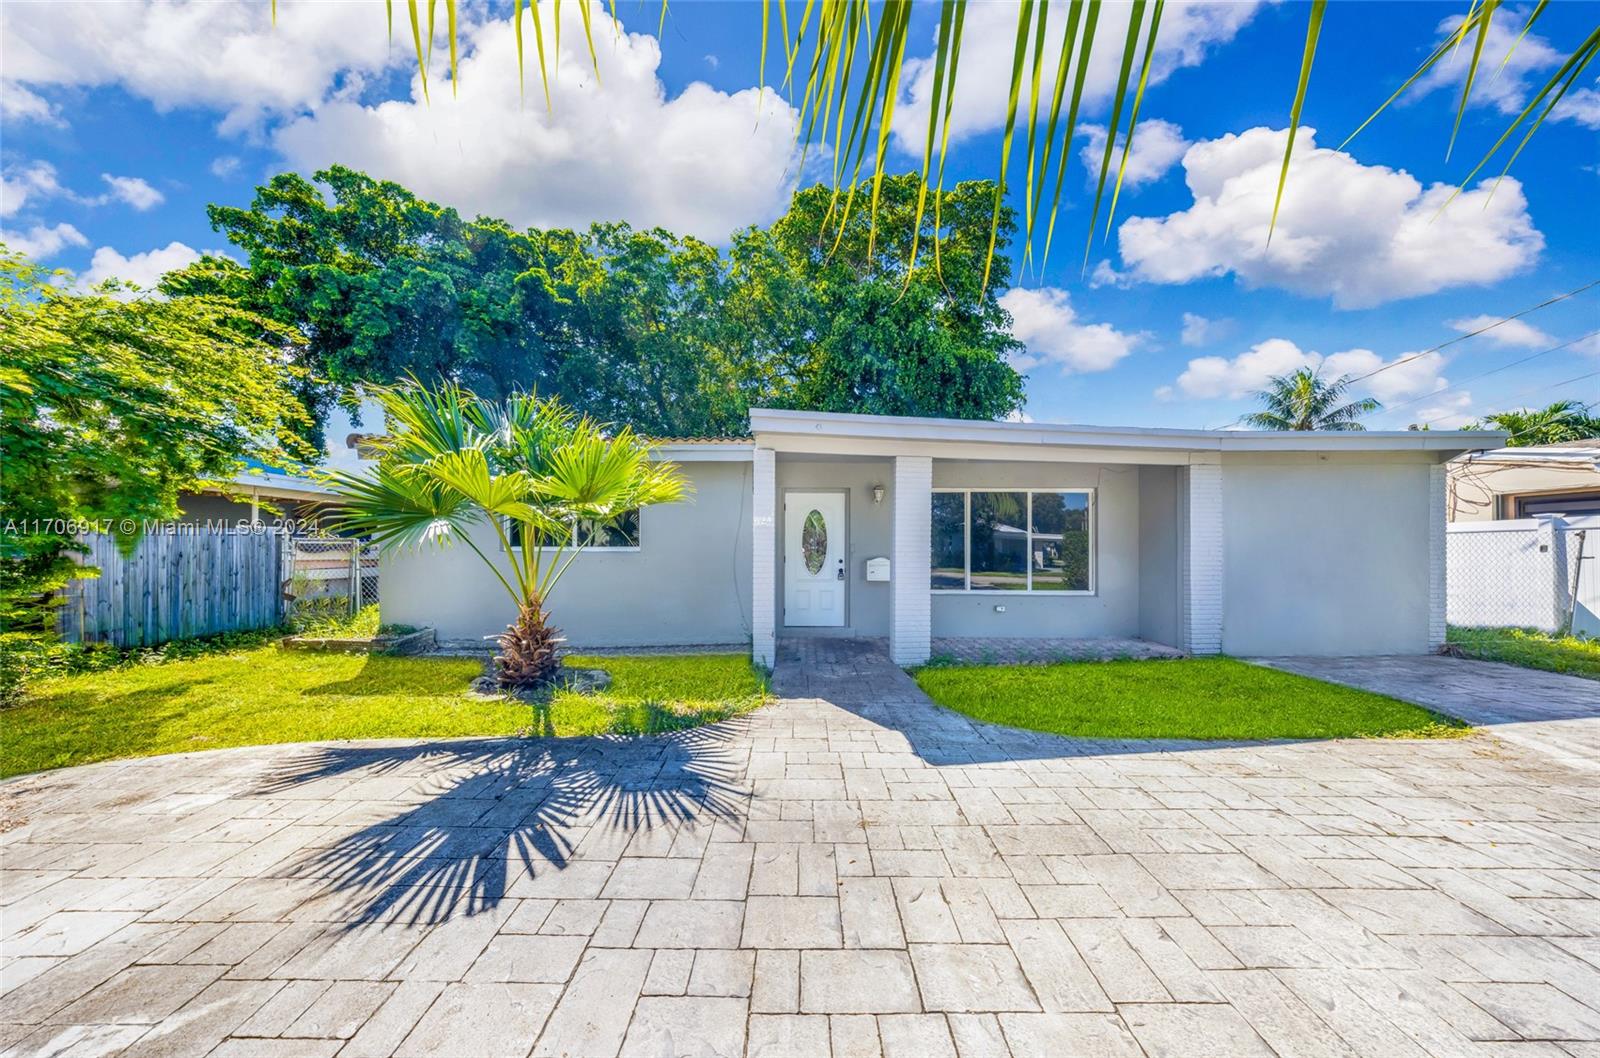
263,695
1198,698
1573,655
650,694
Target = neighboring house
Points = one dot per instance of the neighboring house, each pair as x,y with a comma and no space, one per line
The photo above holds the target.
1561,479
259,494
911,528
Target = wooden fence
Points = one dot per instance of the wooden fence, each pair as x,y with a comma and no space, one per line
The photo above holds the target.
179,582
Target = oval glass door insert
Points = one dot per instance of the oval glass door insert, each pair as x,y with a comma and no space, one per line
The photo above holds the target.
814,542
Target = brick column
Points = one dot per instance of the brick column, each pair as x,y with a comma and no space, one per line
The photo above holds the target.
1437,585
910,605
764,559
1202,554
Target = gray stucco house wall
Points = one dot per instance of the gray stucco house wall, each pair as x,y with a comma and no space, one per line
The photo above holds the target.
1247,543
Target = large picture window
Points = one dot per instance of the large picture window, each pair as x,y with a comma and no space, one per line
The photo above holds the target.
619,532
1024,540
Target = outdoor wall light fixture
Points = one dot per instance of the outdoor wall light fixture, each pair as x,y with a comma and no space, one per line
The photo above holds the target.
877,494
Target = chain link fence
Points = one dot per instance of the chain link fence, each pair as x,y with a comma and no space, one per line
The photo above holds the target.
1535,573
328,579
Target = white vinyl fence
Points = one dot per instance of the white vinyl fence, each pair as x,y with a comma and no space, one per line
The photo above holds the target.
1526,573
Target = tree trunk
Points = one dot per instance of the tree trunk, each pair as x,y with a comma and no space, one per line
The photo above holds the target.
529,648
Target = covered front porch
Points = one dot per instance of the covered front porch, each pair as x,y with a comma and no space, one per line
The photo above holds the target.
942,542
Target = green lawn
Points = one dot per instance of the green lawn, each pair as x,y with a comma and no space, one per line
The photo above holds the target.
1201,698
265,695
1530,649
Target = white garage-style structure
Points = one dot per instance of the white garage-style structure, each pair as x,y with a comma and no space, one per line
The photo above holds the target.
914,529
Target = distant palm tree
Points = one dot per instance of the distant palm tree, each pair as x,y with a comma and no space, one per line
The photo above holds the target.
1565,420
1304,400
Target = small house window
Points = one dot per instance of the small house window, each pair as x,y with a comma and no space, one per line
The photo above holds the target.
1027,541
619,532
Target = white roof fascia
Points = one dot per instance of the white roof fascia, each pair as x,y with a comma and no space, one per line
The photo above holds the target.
908,428
705,452
275,485
1577,457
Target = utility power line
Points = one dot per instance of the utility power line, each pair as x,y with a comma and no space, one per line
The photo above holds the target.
1473,334
1492,371
1463,337
1535,389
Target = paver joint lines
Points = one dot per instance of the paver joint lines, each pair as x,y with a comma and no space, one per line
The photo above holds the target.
849,870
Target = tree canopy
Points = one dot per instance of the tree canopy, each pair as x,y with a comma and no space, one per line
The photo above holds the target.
661,332
111,407
1565,420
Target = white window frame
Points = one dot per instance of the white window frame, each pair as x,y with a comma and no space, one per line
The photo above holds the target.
604,549
966,542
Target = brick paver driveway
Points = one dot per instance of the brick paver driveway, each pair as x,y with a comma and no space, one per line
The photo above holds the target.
850,870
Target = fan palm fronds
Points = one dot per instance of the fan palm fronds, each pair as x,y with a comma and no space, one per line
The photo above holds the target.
453,464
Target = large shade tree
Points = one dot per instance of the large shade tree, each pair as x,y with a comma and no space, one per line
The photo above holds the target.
1305,400
523,482
112,404
640,327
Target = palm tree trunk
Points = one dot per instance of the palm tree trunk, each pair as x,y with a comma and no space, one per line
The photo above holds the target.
529,648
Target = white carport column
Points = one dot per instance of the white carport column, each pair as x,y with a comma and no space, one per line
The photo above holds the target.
1437,538
764,558
910,604
1202,565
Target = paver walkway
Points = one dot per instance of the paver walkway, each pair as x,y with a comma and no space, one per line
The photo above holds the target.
850,871
1548,712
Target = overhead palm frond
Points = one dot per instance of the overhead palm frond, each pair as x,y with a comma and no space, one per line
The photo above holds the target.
851,56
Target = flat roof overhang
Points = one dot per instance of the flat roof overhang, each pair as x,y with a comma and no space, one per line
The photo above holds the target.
887,435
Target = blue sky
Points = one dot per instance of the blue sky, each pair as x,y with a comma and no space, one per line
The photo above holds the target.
121,122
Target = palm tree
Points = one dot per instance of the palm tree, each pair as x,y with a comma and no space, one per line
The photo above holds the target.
541,479
1304,400
1565,420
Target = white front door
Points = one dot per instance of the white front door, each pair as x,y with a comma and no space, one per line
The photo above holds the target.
814,573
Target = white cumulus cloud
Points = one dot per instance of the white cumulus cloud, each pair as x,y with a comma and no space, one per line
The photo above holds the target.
19,105
703,162
1402,376
21,183
1450,411
144,269
1044,320
1515,334
1157,147
1398,378
988,39
1360,234
1507,83
41,241
1200,330
36,182
1221,376
132,190
222,56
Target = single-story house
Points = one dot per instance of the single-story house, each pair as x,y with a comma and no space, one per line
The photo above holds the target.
915,528
258,494
1561,479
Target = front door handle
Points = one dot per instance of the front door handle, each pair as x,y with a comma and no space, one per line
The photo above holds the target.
841,569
